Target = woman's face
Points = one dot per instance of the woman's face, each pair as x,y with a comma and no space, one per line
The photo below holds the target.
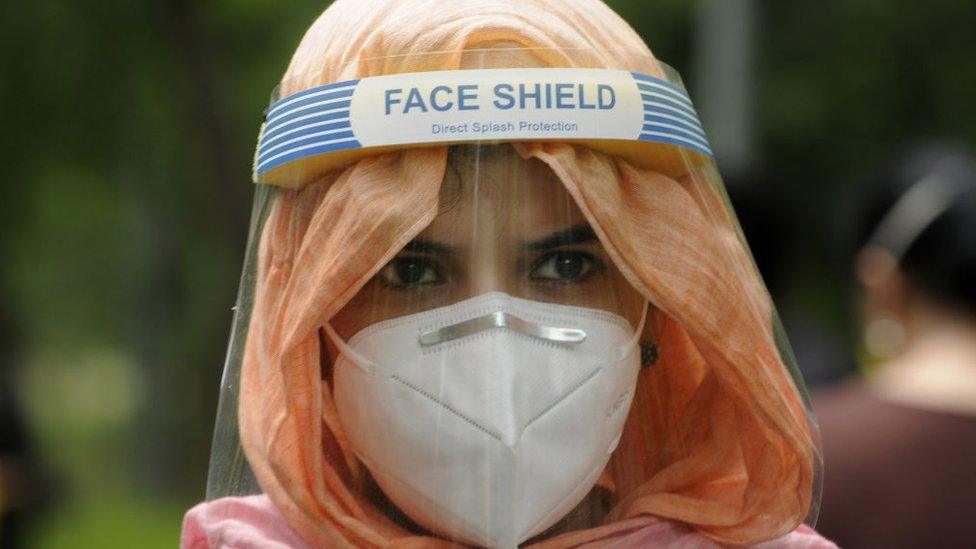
505,224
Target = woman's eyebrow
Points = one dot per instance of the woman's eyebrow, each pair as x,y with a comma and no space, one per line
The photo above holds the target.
424,246
576,234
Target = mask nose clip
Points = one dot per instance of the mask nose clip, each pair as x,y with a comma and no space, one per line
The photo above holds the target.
501,319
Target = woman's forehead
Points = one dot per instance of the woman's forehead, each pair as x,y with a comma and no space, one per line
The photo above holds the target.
492,190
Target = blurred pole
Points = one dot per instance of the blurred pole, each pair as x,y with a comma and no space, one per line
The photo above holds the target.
722,74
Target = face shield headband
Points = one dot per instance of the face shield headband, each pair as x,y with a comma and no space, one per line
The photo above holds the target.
618,112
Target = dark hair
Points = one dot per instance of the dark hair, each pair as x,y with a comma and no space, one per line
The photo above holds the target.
937,252
458,156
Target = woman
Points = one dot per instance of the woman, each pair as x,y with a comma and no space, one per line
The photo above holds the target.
499,299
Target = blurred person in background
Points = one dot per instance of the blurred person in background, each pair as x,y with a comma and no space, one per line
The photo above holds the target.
900,445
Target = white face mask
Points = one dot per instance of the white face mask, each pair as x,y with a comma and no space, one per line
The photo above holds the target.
488,420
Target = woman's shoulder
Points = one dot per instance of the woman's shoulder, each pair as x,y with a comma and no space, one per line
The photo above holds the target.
249,522
675,535
803,537
252,522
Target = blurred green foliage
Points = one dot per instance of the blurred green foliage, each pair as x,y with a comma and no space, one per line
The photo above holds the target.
130,127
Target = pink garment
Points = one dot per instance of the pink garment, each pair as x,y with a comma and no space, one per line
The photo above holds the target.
252,522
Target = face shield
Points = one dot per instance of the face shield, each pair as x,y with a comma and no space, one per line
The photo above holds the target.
497,297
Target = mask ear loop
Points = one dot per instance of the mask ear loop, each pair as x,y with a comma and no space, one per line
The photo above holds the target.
361,362
626,348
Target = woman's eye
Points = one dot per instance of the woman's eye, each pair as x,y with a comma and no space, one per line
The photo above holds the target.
563,267
406,272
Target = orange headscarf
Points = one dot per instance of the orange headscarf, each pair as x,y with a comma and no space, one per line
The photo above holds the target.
717,435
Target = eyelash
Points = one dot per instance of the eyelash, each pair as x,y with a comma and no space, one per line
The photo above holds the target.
596,266
388,273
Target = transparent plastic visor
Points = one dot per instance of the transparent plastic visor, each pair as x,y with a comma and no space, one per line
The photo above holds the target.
497,297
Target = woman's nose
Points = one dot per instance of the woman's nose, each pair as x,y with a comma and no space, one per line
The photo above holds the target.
486,278
490,270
